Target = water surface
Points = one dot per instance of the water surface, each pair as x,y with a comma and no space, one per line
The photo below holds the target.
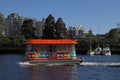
10,69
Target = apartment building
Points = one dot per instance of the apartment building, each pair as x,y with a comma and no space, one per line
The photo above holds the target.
13,25
75,31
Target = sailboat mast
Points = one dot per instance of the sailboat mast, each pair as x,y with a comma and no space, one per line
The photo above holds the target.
90,36
98,36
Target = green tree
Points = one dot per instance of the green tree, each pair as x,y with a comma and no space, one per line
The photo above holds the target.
27,29
114,34
49,31
61,30
5,41
17,42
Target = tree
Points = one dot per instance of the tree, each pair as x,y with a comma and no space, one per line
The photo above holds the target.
114,34
27,29
17,42
5,41
61,30
49,31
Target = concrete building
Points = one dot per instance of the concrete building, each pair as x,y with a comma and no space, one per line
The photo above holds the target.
75,31
13,25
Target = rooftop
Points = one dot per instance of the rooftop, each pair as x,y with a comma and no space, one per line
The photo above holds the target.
50,42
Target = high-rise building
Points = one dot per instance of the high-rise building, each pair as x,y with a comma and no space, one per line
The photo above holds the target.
13,25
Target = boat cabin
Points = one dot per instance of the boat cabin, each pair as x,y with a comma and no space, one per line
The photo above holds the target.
47,49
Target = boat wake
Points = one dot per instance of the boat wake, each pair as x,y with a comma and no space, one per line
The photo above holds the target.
25,64
111,64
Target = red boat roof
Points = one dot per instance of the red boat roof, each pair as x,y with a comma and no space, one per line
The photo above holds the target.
50,42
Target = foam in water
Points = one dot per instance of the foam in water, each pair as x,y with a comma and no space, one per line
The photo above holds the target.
112,64
100,64
25,64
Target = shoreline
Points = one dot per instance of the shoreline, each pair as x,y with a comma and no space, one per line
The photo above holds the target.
21,50
12,50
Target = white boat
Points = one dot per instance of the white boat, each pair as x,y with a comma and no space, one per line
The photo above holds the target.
106,51
98,51
91,52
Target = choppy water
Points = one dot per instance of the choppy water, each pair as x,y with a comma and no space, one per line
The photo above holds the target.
94,68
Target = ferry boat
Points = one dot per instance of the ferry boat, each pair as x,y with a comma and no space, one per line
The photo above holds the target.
51,52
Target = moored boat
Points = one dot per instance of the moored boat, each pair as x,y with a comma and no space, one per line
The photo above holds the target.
98,51
106,51
91,52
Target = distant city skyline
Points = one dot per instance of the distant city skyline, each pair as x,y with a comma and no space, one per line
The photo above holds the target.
102,13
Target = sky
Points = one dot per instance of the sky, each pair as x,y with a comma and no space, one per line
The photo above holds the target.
101,14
